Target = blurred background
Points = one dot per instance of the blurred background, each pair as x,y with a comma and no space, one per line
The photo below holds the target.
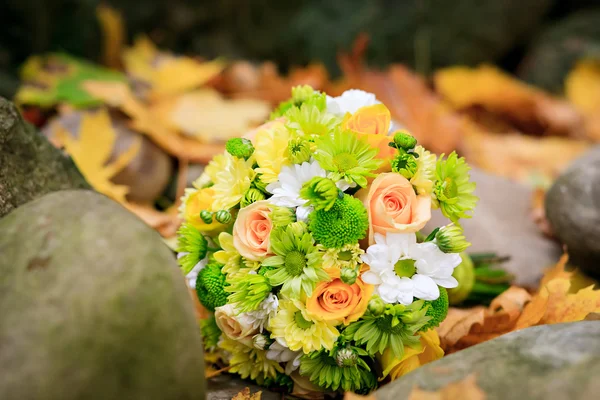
512,85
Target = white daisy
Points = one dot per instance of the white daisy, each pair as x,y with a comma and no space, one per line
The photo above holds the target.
279,351
350,101
401,268
266,310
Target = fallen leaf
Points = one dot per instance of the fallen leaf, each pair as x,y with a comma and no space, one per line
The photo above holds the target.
582,88
245,395
538,212
458,324
92,150
165,73
113,33
354,396
465,389
531,109
165,223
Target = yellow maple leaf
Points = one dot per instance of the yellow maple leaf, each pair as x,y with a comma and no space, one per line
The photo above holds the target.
465,389
582,88
245,395
92,150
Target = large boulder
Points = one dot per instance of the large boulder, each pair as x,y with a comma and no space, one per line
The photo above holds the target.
29,165
573,210
93,306
502,224
548,362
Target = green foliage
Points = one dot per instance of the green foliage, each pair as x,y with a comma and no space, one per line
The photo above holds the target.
192,243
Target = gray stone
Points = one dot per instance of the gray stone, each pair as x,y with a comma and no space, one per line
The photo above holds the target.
29,165
502,224
93,306
573,210
546,362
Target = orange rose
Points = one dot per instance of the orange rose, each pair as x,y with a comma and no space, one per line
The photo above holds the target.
372,123
338,301
393,205
251,231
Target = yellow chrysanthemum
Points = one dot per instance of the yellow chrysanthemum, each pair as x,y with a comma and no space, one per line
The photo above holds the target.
270,154
250,362
228,256
219,162
194,201
422,180
232,182
301,330
413,358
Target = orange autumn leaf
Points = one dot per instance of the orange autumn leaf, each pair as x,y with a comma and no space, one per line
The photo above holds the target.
92,150
582,89
465,389
245,395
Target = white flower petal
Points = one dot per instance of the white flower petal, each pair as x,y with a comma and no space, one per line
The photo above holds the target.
425,287
447,282
371,278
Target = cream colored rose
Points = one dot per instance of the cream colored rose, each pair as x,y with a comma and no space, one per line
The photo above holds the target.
236,327
251,231
393,205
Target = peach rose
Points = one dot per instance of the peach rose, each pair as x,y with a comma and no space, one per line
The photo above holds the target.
236,327
339,301
251,231
267,125
393,205
372,123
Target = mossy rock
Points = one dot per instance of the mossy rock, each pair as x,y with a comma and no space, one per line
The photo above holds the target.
93,306
29,165
548,362
558,48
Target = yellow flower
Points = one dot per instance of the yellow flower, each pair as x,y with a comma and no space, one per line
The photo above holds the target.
218,163
249,361
301,330
228,256
231,182
422,180
194,201
429,351
270,154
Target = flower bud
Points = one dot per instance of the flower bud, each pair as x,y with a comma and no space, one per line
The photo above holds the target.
346,357
451,239
282,216
348,275
261,342
223,216
206,216
252,195
403,140
320,192
405,164
298,151
376,306
239,147
259,184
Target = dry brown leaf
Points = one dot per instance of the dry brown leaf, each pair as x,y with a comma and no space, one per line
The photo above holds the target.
92,150
465,389
458,324
531,109
245,395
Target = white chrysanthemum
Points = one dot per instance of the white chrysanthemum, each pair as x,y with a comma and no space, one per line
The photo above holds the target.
350,101
279,351
401,268
193,274
265,311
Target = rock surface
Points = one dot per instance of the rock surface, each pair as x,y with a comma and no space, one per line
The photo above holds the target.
502,224
541,363
29,165
93,306
573,210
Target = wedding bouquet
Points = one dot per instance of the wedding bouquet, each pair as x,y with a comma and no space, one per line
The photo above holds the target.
303,240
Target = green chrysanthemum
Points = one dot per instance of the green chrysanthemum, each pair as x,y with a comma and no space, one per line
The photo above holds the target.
451,239
252,195
248,291
320,192
192,245
395,328
324,370
345,223
437,310
301,95
210,333
240,148
453,192
291,245
250,362
347,256
309,121
299,150
347,157
282,216
210,286
405,164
